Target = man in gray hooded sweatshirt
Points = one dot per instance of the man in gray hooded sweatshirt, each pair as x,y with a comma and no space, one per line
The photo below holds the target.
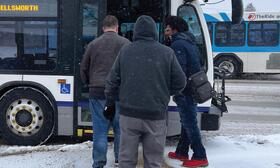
146,73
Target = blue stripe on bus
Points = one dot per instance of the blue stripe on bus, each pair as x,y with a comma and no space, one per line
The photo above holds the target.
199,109
71,104
246,49
84,104
64,104
225,17
210,18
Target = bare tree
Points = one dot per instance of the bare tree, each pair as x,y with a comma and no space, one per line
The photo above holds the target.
250,8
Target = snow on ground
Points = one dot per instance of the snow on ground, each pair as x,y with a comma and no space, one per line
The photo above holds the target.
244,151
53,156
241,152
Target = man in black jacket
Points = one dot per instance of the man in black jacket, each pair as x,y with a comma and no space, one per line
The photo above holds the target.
187,53
96,64
146,73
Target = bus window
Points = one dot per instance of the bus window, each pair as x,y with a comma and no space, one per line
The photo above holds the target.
229,35
126,30
28,45
189,14
263,34
90,21
127,11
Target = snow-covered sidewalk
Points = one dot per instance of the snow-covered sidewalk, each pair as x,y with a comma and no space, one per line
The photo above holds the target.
245,151
240,152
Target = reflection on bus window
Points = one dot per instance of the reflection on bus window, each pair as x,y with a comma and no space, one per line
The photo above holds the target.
263,34
230,35
90,21
189,14
127,11
126,30
28,45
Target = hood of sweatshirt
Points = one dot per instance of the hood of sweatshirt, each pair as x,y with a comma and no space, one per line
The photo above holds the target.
145,29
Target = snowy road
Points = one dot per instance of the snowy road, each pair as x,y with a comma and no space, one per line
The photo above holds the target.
255,108
249,136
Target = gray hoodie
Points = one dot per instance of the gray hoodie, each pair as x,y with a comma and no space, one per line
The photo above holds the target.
146,73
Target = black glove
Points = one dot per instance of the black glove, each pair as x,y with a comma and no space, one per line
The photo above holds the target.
109,112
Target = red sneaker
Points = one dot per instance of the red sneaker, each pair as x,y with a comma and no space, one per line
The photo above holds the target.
173,155
195,163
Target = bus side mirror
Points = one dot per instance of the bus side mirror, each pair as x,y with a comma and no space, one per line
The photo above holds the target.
237,11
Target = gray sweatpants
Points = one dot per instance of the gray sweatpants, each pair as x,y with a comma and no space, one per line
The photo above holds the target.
152,134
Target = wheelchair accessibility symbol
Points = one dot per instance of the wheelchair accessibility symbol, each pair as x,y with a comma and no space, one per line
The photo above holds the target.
65,88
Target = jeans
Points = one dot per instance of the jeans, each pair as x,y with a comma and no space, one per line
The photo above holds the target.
101,127
190,133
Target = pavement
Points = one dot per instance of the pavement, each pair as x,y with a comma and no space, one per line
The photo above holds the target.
254,109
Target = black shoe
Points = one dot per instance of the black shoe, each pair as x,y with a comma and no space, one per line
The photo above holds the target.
116,163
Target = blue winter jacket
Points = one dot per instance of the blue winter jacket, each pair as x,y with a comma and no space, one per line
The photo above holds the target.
185,48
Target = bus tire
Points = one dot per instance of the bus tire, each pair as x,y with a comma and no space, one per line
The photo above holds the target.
231,64
26,117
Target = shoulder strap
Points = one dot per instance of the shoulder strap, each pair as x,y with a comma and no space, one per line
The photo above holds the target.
189,64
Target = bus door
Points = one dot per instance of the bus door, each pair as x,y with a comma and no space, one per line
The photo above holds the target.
88,30
92,13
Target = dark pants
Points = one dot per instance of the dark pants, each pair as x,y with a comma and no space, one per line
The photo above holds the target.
190,133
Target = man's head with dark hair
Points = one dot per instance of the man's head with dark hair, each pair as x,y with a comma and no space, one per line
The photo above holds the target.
110,23
175,24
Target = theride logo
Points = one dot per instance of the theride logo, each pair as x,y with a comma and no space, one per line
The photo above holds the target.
252,16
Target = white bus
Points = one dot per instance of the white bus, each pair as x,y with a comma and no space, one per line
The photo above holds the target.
41,45
250,47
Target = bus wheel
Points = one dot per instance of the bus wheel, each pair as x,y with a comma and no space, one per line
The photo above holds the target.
231,65
26,117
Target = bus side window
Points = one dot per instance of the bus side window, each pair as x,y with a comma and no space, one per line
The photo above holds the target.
28,45
221,34
263,34
90,21
230,35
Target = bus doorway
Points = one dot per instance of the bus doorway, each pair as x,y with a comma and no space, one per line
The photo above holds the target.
92,13
127,11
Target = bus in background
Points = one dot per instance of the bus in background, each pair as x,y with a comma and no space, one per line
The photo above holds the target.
41,46
250,47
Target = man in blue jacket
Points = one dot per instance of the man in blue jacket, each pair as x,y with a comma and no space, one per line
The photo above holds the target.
184,45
